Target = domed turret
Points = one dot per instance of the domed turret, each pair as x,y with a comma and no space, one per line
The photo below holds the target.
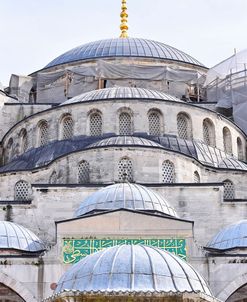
125,196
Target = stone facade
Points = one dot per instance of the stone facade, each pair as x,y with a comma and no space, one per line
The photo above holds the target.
53,157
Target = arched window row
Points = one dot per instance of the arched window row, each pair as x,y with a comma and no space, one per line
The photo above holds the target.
154,123
125,171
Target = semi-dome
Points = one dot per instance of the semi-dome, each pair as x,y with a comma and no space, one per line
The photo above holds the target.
125,141
129,47
232,237
121,93
15,236
125,196
130,269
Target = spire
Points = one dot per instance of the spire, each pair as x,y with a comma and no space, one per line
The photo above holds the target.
124,20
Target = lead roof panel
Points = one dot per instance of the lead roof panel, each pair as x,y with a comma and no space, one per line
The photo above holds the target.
129,47
42,156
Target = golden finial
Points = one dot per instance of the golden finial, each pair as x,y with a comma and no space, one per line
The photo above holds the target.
124,20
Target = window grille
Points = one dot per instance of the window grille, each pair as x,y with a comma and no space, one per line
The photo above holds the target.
22,190
240,149
154,124
229,192
125,124
83,172
125,170
168,172
184,127
227,139
68,126
208,133
95,124
53,178
196,177
43,134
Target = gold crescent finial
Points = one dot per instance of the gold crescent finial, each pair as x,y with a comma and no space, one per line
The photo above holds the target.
124,20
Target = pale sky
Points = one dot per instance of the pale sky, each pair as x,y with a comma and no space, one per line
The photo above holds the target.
33,32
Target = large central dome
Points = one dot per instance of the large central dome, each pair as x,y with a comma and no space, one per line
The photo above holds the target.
129,47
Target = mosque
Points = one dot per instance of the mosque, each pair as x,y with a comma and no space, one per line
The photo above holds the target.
123,177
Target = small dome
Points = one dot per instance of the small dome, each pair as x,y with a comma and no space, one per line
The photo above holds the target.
125,196
125,141
15,236
132,269
231,237
121,93
130,47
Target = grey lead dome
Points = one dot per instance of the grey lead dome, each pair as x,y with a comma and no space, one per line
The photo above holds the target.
132,269
125,196
233,236
15,236
121,93
129,47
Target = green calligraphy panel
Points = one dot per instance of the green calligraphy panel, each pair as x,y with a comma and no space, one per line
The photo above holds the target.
76,249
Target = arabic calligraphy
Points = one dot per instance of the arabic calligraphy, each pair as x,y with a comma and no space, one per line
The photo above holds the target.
76,249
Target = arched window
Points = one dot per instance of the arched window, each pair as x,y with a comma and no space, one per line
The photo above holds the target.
83,172
95,124
24,140
125,127
43,133
229,192
67,127
209,132
227,140
240,149
9,150
125,170
53,178
154,123
184,126
196,177
22,190
168,172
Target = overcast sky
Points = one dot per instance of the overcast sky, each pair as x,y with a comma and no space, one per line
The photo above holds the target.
33,32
